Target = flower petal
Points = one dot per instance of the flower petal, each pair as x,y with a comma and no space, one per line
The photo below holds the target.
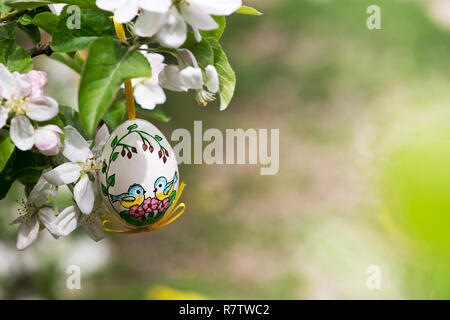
172,33
155,5
76,148
100,138
57,8
13,84
218,7
212,79
42,108
63,174
197,17
170,79
148,23
8,83
191,78
22,133
47,140
27,234
67,221
3,116
84,195
38,80
198,36
110,5
40,191
93,226
47,217
156,61
148,95
126,12
189,57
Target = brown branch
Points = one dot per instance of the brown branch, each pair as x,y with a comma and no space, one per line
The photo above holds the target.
40,49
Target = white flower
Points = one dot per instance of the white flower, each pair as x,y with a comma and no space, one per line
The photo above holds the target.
126,10
37,214
170,26
83,164
93,223
183,78
22,95
57,8
47,139
147,91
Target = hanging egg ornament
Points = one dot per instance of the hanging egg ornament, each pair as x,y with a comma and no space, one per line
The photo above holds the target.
139,179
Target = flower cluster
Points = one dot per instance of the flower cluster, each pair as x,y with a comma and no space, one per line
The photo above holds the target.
150,206
167,19
184,76
22,99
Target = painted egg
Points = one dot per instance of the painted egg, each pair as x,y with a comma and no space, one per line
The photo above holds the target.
139,178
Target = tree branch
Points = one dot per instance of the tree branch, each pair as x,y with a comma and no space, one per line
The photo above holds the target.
41,49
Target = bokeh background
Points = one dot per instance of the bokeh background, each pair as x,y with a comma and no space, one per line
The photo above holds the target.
364,170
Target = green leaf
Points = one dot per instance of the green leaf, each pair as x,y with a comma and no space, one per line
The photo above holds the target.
249,10
132,127
76,63
47,21
14,57
114,142
23,166
201,50
216,33
6,149
227,77
114,116
114,156
71,117
26,18
157,113
94,24
158,138
7,30
112,180
108,65
104,190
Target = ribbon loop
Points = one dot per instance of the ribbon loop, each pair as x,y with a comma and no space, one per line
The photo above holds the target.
131,108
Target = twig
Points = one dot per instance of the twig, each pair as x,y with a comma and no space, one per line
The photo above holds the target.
41,49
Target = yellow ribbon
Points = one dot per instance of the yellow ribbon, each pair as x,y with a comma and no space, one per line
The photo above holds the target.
172,214
128,84
168,218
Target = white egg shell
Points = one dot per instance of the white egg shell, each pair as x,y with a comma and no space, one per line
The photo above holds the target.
139,178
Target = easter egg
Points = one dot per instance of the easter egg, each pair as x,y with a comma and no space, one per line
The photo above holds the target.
139,178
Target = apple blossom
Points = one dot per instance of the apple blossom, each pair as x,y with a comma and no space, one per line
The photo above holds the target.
147,91
182,78
37,214
47,139
125,10
83,164
22,95
170,26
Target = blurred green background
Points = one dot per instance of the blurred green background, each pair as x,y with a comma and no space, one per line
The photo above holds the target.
364,170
